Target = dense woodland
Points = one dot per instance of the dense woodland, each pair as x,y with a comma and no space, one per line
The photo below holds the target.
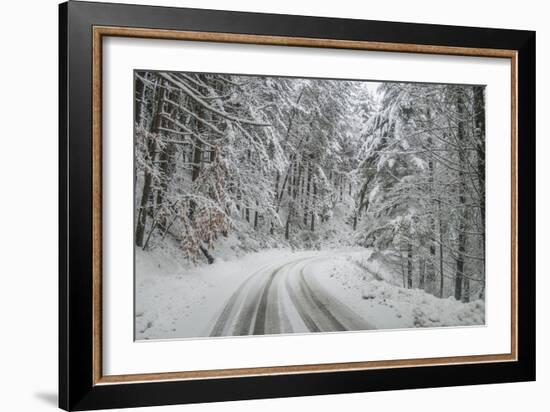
398,169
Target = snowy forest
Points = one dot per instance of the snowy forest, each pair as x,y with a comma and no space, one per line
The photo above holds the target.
386,178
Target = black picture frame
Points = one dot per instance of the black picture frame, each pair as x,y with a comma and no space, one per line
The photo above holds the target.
77,390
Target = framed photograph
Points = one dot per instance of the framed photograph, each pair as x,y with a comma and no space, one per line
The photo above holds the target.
256,205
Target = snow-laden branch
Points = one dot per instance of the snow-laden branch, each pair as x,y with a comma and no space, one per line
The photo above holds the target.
207,106
193,115
182,126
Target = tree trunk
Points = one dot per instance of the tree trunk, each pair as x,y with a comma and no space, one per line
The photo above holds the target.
409,266
459,276
141,89
249,165
289,179
302,184
313,207
287,226
297,192
207,255
294,178
142,215
441,274
421,273
277,178
459,271
479,112
166,157
307,197
360,204
430,269
195,174
148,178
402,267
197,160
466,290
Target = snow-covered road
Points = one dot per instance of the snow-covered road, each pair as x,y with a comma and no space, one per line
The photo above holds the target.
285,297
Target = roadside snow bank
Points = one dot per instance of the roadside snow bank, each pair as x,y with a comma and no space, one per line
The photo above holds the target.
423,309
361,283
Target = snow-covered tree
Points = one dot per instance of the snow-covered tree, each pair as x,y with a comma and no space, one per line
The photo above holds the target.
399,168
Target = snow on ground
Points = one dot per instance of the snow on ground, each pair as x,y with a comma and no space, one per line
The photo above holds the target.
176,300
361,284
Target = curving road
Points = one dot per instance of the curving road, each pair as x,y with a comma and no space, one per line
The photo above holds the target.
284,298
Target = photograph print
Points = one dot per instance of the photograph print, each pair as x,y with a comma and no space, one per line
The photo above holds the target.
270,205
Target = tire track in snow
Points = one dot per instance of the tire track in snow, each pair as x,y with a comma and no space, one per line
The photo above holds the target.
307,292
339,312
259,313
266,304
298,304
255,308
255,304
260,323
224,317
